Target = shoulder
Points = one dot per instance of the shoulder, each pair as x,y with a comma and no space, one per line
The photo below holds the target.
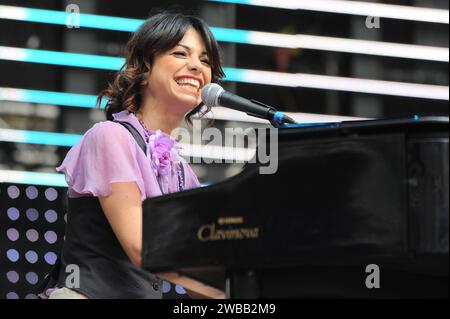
107,128
107,137
107,131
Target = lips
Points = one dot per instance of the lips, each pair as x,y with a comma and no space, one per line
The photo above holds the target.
189,82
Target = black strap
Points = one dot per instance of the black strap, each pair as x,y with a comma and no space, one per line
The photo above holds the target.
182,182
136,135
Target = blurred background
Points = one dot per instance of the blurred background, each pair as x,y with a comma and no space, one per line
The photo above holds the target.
318,60
325,60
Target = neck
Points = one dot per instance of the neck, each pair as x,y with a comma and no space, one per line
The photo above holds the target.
156,117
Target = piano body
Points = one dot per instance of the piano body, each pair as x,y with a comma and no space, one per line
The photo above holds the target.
355,210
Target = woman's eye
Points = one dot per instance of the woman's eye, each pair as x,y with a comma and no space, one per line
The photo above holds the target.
184,54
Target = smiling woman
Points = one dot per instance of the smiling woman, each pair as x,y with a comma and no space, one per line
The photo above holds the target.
173,83
131,156
185,42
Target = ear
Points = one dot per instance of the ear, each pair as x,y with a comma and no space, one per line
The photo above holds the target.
144,82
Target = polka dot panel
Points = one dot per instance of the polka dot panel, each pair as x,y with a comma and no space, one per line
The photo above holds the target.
32,222
31,234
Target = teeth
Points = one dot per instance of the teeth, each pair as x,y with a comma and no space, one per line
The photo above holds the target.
189,81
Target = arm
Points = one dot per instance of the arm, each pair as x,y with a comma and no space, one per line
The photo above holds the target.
123,209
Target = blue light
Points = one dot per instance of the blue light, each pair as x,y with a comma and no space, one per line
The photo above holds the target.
321,124
43,138
116,23
45,179
85,20
35,178
109,23
97,62
234,75
73,59
233,1
57,98
52,98
416,117
231,35
45,16
58,139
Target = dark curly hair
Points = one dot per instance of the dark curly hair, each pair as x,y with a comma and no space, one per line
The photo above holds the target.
156,35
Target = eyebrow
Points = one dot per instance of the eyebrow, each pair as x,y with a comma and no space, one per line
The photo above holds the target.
189,49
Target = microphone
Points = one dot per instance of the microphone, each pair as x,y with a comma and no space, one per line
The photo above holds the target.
214,95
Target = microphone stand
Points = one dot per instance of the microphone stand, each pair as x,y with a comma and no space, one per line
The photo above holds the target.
276,118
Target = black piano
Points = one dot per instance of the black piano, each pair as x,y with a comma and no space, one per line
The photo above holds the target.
356,209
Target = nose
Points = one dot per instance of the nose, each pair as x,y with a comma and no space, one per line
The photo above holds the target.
195,65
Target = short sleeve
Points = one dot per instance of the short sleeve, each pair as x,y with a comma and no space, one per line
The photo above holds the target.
105,154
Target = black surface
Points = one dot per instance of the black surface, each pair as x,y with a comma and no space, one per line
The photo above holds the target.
340,200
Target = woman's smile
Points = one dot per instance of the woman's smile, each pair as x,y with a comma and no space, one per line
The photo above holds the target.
188,85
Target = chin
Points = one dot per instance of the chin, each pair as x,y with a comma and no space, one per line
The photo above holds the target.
186,106
190,101
186,102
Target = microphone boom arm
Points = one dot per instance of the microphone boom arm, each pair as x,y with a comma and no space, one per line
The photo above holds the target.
276,118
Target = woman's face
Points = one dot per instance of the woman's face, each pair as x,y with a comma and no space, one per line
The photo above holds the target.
178,75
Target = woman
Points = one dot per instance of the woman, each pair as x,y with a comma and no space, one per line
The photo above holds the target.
168,61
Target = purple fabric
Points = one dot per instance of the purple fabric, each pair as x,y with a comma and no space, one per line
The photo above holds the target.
108,153
162,152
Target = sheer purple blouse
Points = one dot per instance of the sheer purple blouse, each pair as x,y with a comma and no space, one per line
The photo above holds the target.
107,153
